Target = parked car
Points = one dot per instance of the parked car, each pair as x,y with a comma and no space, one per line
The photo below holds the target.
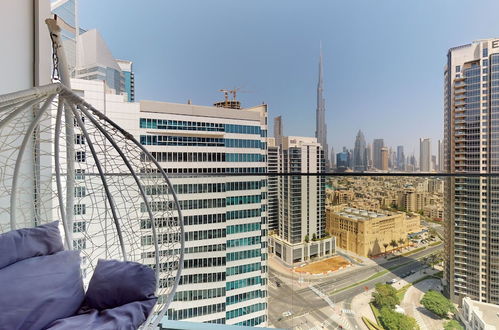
392,281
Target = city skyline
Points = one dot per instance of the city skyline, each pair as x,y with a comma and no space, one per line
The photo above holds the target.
276,62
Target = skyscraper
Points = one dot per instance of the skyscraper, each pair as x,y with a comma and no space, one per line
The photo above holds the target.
225,217
400,158
384,159
369,156
360,153
320,115
333,158
301,203
88,55
440,156
65,12
471,105
129,76
377,145
278,129
425,155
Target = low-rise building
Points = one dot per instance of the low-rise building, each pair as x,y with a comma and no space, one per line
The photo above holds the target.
479,315
369,233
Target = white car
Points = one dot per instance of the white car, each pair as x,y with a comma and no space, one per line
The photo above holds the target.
287,313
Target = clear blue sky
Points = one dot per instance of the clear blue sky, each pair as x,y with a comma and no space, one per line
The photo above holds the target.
383,59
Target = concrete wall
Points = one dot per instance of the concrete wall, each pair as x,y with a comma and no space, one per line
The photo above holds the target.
25,58
24,62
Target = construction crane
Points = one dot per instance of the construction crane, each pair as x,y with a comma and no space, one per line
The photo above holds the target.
226,94
230,104
233,92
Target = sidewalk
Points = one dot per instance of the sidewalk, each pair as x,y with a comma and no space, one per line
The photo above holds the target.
361,304
411,305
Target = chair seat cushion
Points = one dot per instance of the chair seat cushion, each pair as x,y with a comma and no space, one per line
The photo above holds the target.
116,283
129,316
25,243
36,291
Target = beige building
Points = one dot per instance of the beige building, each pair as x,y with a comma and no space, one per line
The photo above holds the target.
342,196
365,232
384,159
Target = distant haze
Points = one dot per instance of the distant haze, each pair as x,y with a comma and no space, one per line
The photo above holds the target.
383,60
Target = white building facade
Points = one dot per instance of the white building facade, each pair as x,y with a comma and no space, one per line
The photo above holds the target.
301,229
206,151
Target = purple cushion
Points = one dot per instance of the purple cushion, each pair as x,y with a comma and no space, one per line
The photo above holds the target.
36,291
25,243
115,283
129,316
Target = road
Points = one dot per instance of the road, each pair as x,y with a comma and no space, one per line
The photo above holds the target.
304,303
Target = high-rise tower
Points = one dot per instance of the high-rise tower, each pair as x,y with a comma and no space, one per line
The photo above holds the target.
377,145
320,115
471,105
425,155
360,153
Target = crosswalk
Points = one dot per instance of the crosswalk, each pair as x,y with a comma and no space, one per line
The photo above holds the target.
338,319
348,311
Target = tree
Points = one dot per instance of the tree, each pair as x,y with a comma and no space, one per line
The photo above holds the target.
401,241
306,239
392,320
385,296
436,302
314,237
385,245
393,243
453,325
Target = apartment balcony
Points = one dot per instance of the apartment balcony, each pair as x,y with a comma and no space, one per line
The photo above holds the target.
200,234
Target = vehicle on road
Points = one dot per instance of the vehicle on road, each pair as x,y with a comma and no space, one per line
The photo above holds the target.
278,284
287,313
392,281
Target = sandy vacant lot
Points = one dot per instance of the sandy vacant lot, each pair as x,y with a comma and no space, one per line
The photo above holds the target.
324,265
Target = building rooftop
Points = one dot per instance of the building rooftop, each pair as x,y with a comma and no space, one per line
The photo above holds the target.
489,312
360,214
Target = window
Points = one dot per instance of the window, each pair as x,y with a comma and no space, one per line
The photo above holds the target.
79,244
485,52
80,156
79,227
79,174
79,209
458,68
79,139
80,192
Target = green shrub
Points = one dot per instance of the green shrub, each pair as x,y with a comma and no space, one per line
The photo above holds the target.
453,325
436,302
385,296
391,320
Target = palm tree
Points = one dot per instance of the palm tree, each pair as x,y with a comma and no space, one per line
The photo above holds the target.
401,241
393,243
385,245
